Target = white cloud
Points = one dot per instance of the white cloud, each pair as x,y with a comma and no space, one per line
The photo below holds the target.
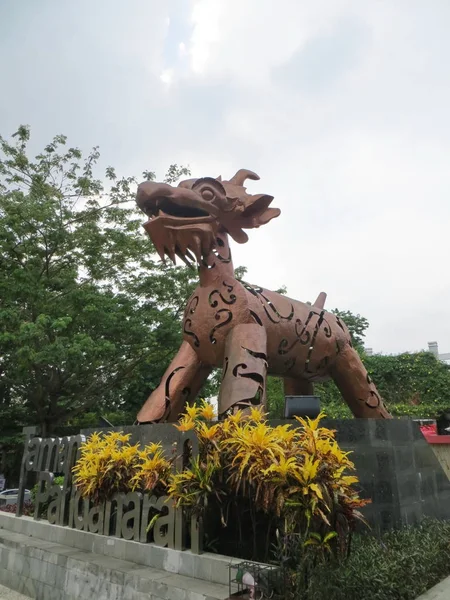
167,76
357,165
205,18
341,106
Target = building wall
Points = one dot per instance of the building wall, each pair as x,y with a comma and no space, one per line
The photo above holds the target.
442,452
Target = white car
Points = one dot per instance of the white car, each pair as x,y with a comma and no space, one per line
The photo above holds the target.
10,496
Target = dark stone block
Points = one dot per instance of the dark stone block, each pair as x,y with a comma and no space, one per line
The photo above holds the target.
431,507
366,487
383,492
353,432
301,406
425,457
399,431
385,462
411,514
408,488
368,511
428,486
396,467
442,509
372,518
397,470
380,430
390,518
442,481
365,462
443,504
404,459
144,434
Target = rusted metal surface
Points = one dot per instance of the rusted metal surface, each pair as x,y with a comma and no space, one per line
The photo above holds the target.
245,329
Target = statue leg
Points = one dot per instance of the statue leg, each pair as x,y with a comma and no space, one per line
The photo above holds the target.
180,385
297,387
244,368
356,386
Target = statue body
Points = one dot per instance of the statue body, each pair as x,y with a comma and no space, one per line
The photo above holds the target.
246,330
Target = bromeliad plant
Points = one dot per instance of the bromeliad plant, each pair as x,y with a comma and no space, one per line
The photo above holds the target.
109,464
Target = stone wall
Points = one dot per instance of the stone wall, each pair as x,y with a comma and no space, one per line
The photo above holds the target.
396,466
49,562
397,469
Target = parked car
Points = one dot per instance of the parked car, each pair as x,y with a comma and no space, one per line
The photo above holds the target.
10,496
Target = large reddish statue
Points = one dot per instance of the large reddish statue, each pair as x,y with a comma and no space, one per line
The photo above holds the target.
248,331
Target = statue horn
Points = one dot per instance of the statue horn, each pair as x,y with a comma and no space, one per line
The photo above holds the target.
242,175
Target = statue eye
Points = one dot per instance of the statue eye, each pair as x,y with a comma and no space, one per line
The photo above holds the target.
208,194
210,190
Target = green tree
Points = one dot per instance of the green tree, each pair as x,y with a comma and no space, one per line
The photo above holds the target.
357,326
89,317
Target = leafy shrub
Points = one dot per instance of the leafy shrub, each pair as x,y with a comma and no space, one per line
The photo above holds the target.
298,479
58,480
28,508
401,564
109,464
262,481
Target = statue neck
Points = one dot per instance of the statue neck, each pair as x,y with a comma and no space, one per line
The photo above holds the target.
219,263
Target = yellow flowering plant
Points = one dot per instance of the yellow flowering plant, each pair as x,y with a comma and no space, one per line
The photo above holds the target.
297,476
193,486
109,464
291,479
153,470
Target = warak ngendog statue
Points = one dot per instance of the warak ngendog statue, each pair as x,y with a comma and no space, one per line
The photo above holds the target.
248,331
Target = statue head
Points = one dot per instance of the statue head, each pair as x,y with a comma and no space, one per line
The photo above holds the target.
185,220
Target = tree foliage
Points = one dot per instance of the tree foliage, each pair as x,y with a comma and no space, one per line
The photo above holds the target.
356,324
413,384
89,317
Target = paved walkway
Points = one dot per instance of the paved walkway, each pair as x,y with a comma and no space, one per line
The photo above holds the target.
7,594
441,591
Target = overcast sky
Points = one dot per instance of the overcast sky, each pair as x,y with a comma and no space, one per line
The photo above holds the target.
341,106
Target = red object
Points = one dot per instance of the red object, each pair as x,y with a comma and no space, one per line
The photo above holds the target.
430,434
437,439
429,429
